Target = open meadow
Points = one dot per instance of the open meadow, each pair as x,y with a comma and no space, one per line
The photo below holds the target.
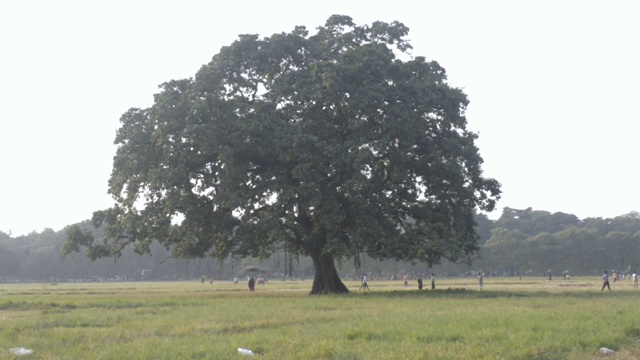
528,318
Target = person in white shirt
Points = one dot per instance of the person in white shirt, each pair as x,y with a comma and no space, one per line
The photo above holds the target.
364,285
634,277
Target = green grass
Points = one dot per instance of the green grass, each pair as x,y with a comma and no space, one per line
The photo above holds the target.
511,319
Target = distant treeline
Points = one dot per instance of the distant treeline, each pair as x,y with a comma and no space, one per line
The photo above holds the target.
520,242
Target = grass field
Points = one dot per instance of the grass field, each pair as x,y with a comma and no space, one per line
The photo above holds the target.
511,319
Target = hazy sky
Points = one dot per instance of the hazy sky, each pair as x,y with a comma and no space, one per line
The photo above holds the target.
553,85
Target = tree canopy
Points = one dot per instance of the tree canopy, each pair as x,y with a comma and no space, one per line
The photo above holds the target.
327,145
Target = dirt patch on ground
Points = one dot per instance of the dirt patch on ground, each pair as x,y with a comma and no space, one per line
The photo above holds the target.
575,285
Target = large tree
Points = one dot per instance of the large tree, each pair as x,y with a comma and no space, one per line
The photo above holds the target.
328,145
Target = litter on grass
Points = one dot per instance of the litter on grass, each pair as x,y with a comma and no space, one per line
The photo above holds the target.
245,352
606,351
20,351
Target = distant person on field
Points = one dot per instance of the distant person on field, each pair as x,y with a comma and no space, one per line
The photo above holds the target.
406,279
605,281
433,281
364,285
634,278
252,284
480,280
419,282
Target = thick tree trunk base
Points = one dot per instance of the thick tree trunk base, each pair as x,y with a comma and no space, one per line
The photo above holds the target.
326,280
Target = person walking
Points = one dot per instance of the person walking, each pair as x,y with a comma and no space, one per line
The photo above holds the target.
605,281
433,281
634,278
419,282
364,285
252,284
406,279
480,281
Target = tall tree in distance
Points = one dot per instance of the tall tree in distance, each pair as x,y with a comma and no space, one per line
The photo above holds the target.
326,145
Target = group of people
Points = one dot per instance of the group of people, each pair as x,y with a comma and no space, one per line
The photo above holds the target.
605,280
420,283
433,282
365,285
480,278
405,278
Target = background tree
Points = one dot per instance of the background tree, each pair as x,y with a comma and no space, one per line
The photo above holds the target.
9,263
504,251
532,222
484,225
45,260
622,249
35,257
328,146
629,223
583,250
543,253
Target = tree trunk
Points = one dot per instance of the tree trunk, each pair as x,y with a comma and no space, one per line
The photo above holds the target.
326,280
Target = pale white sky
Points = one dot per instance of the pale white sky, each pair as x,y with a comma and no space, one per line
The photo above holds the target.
553,87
